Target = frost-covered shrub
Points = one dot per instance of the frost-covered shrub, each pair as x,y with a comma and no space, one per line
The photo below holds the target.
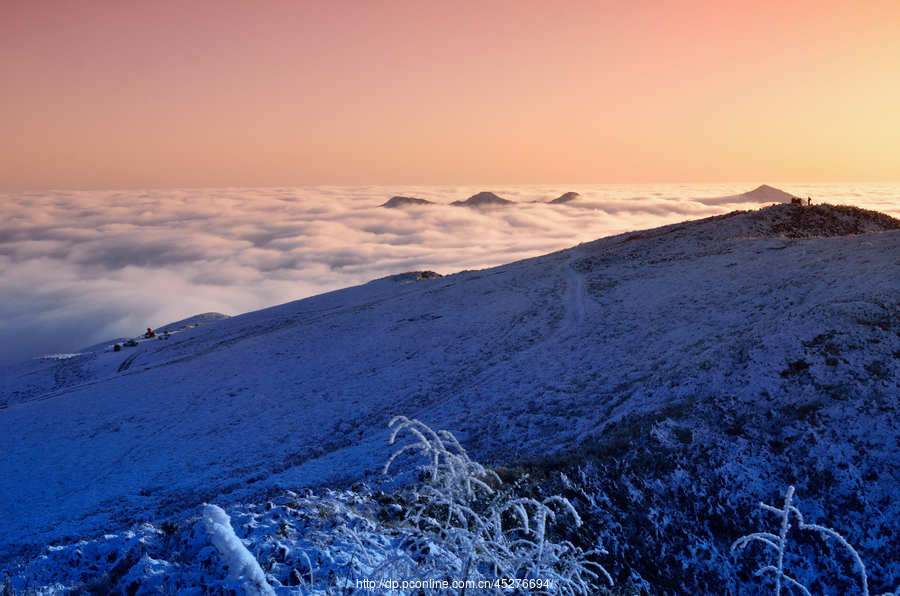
465,527
780,571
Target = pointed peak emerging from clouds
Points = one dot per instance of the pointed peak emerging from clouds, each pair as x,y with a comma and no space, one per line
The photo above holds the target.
768,194
565,198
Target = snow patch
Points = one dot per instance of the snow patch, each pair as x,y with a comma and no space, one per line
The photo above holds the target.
60,356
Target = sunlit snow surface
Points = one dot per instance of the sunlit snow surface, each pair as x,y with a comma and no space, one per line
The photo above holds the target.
79,268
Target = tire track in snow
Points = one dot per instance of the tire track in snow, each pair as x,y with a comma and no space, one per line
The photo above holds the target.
128,362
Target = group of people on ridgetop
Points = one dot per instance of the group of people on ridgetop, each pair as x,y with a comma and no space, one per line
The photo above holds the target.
150,334
799,201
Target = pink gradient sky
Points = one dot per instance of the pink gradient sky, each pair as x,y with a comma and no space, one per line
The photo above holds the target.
212,93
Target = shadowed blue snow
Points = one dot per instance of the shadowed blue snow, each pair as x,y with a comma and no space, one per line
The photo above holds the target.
78,268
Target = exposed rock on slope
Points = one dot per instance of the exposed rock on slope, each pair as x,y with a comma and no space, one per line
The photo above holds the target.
779,221
824,221
414,276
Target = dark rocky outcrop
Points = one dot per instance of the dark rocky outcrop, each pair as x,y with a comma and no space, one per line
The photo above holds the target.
415,276
825,221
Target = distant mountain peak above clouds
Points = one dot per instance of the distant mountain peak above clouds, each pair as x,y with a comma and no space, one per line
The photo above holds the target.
395,202
565,198
761,194
768,194
483,198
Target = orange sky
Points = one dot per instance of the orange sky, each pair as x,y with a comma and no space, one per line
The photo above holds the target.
212,93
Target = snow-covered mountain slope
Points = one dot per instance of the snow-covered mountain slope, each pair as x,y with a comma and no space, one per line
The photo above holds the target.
771,325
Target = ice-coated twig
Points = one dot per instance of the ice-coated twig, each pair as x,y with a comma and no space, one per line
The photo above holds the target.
779,544
449,464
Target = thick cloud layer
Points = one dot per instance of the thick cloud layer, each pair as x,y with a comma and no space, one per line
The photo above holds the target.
78,268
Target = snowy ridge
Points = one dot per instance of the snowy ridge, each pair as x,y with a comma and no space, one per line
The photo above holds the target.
713,361
193,321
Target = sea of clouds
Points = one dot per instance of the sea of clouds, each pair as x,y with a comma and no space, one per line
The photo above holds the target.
80,268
